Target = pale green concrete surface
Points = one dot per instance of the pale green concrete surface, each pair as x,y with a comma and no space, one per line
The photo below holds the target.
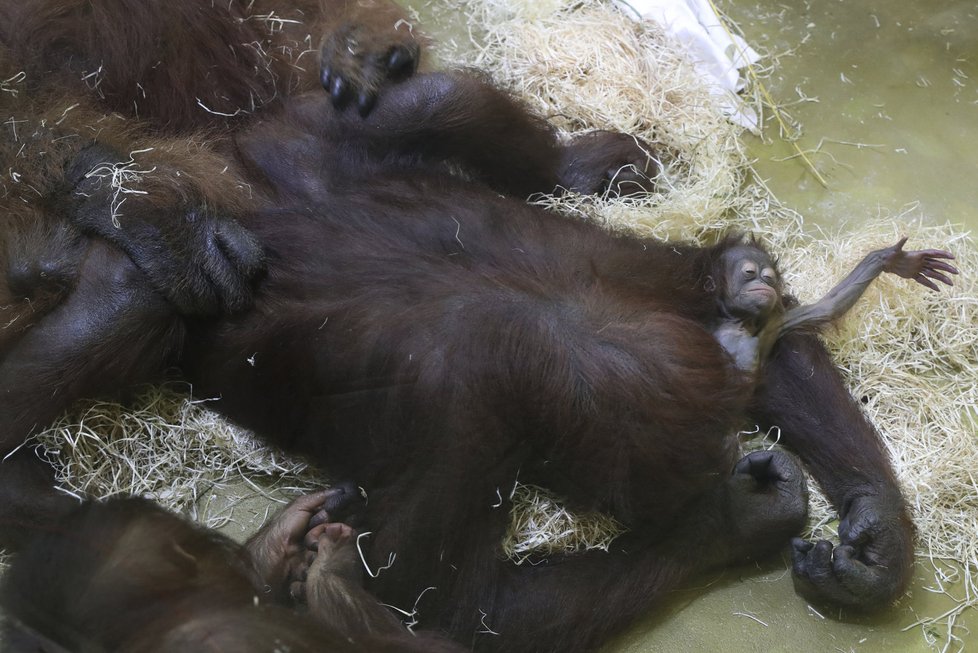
896,84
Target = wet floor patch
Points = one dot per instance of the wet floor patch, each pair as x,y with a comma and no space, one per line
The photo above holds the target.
886,94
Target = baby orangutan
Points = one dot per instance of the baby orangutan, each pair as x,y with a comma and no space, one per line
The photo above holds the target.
125,575
753,315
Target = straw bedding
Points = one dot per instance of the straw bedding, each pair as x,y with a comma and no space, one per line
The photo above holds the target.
908,354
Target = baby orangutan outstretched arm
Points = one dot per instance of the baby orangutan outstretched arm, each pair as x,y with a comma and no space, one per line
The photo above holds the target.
755,318
921,265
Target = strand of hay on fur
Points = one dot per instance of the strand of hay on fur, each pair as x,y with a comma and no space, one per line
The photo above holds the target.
169,449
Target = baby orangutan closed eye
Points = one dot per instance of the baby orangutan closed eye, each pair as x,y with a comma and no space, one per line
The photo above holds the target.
753,316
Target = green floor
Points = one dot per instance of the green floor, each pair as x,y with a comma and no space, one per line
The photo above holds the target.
895,124
758,610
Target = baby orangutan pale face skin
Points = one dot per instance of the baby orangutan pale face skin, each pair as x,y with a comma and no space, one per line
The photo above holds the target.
752,283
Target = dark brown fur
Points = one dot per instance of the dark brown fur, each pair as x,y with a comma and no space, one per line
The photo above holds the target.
57,205
183,66
128,576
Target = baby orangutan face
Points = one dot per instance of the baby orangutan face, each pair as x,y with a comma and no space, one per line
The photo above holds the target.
753,288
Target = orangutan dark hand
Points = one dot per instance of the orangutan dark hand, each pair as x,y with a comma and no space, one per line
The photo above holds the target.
204,263
871,565
768,501
920,265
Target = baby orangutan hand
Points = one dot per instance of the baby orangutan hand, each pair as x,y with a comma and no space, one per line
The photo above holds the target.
920,265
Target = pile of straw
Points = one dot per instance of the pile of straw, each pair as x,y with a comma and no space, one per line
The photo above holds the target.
171,449
909,353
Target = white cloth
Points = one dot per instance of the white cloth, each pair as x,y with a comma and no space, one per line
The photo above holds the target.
716,56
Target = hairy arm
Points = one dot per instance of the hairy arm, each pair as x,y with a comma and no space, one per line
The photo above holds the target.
923,266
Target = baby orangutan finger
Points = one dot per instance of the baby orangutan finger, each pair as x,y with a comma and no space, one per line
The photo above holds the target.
934,274
924,281
936,264
312,536
934,253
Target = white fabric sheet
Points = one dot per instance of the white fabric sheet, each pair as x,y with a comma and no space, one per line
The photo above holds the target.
719,56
